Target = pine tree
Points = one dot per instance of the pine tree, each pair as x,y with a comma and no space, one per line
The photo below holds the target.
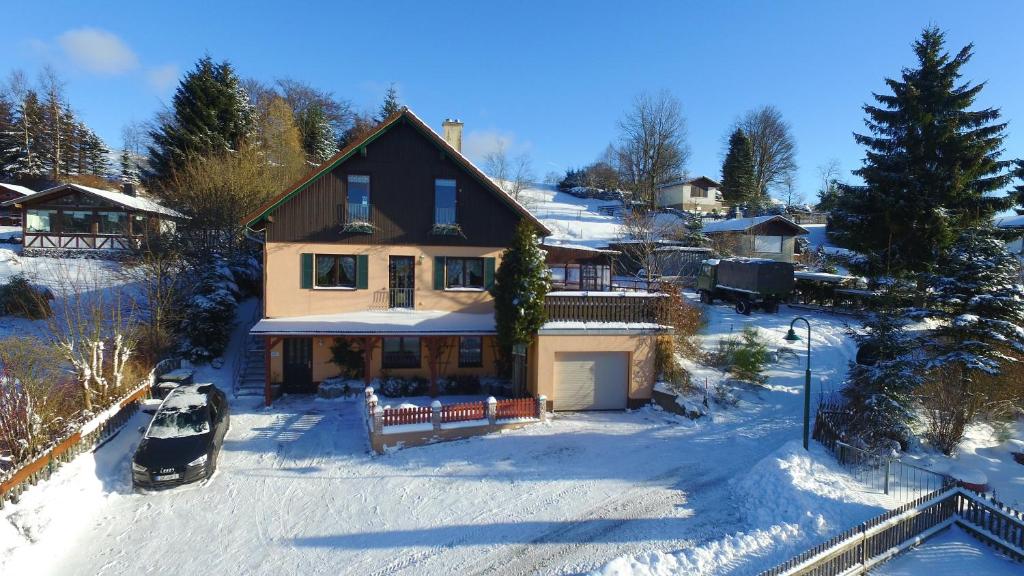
210,113
739,186
519,288
930,165
96,154
880,393
29,128
694,233
129,169
390,106
9,149
317,134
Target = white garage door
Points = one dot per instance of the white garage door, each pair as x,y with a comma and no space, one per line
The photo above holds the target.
591,380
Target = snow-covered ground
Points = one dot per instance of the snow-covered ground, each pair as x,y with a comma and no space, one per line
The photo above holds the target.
572,220
297,492
951,553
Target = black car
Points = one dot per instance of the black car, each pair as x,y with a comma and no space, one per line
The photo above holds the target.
182,442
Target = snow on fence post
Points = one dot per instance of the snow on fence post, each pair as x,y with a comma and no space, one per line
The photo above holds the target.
368,392
378,420
542,408
492,410
435,414
372,402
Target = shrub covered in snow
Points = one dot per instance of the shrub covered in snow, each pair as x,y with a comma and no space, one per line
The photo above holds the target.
396,387
19,297
461,384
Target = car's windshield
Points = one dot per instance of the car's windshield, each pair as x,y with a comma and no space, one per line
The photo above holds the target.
176,423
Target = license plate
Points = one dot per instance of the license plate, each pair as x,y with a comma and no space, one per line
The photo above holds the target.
162,477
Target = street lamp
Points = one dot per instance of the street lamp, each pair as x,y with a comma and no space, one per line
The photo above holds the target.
791,336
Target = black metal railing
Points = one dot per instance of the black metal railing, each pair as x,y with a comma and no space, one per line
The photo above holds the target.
357,214
401,298
444,216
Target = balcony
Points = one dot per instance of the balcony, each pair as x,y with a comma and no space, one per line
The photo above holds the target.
357,218
401,298
625,307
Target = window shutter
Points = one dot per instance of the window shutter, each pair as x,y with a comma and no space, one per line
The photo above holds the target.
306,271
488,273
362,271
439,262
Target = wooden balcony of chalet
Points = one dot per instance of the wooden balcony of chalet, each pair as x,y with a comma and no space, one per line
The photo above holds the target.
624,307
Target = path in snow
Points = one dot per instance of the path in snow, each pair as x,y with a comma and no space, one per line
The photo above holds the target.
298,493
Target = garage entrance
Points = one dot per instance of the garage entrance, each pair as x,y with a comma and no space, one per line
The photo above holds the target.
591,380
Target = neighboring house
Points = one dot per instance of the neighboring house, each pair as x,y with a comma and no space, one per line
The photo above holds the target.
392,245
702,195
1015,224
71,217
9,215
772,237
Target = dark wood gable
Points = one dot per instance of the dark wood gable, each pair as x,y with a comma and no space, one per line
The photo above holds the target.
402,164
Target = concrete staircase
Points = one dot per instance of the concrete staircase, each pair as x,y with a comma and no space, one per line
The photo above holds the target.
252,374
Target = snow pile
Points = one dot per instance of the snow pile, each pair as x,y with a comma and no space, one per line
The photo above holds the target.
792,499
9,258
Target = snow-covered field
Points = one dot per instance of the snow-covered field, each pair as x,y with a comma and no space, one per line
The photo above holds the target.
951,553
572,220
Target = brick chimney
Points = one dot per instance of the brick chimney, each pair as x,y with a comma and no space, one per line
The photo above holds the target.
128,189
453,133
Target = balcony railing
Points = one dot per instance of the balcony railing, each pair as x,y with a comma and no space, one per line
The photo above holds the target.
631,308
357,214
444,216
401,298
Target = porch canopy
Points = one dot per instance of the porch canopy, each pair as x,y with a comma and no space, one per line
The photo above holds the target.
397,322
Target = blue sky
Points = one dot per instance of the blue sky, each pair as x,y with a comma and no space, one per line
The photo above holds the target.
550,78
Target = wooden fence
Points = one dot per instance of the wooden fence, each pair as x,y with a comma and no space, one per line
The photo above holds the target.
91,434
878,540
417,415
516,408
464,412
605,307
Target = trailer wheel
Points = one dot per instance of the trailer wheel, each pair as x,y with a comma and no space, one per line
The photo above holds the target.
743,307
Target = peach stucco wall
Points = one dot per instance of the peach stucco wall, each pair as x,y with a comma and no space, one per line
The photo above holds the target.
284,296
640,347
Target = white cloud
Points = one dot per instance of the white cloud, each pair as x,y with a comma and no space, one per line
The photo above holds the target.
98,51
478,144
162,78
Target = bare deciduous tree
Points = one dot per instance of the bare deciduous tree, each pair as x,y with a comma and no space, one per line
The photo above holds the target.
34,408
652,146
774,147
512,174
641,232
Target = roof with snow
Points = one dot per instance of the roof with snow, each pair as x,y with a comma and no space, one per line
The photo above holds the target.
1011,221
371,322
744,224
17,189
404,114
132,202
699,181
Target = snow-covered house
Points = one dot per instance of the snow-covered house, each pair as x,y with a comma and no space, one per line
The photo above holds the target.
72,217
9,215
1015,224
702,195
772,237
392,245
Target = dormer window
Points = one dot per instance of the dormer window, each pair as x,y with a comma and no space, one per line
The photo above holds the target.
444,202
358,207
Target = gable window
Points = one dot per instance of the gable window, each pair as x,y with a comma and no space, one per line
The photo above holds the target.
471,351
335,271
698,192
401,352
768,244
464,273
113,222
76,222
444,201
41,220
358,206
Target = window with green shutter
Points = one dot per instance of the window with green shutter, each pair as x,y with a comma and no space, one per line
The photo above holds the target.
488,273
439,264
363,269
306,271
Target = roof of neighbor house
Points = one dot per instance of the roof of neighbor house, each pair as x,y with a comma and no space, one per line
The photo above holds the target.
133,202
17,189
402,115
1010,221
700,181
744,224
391,322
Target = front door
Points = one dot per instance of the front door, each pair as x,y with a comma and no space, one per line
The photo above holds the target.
401,278
298,365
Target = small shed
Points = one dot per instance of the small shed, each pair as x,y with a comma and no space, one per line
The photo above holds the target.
578,267
771,237
72,217
683,262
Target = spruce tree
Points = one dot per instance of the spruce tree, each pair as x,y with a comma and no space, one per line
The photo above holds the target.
519,288
694,233
880,392
210,113
29,128
129,169
317,134
96,154
390,106
739,186
930,164
10,151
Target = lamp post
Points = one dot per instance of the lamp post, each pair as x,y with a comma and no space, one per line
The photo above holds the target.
791,336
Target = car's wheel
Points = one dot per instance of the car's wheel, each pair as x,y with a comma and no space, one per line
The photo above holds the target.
743,307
